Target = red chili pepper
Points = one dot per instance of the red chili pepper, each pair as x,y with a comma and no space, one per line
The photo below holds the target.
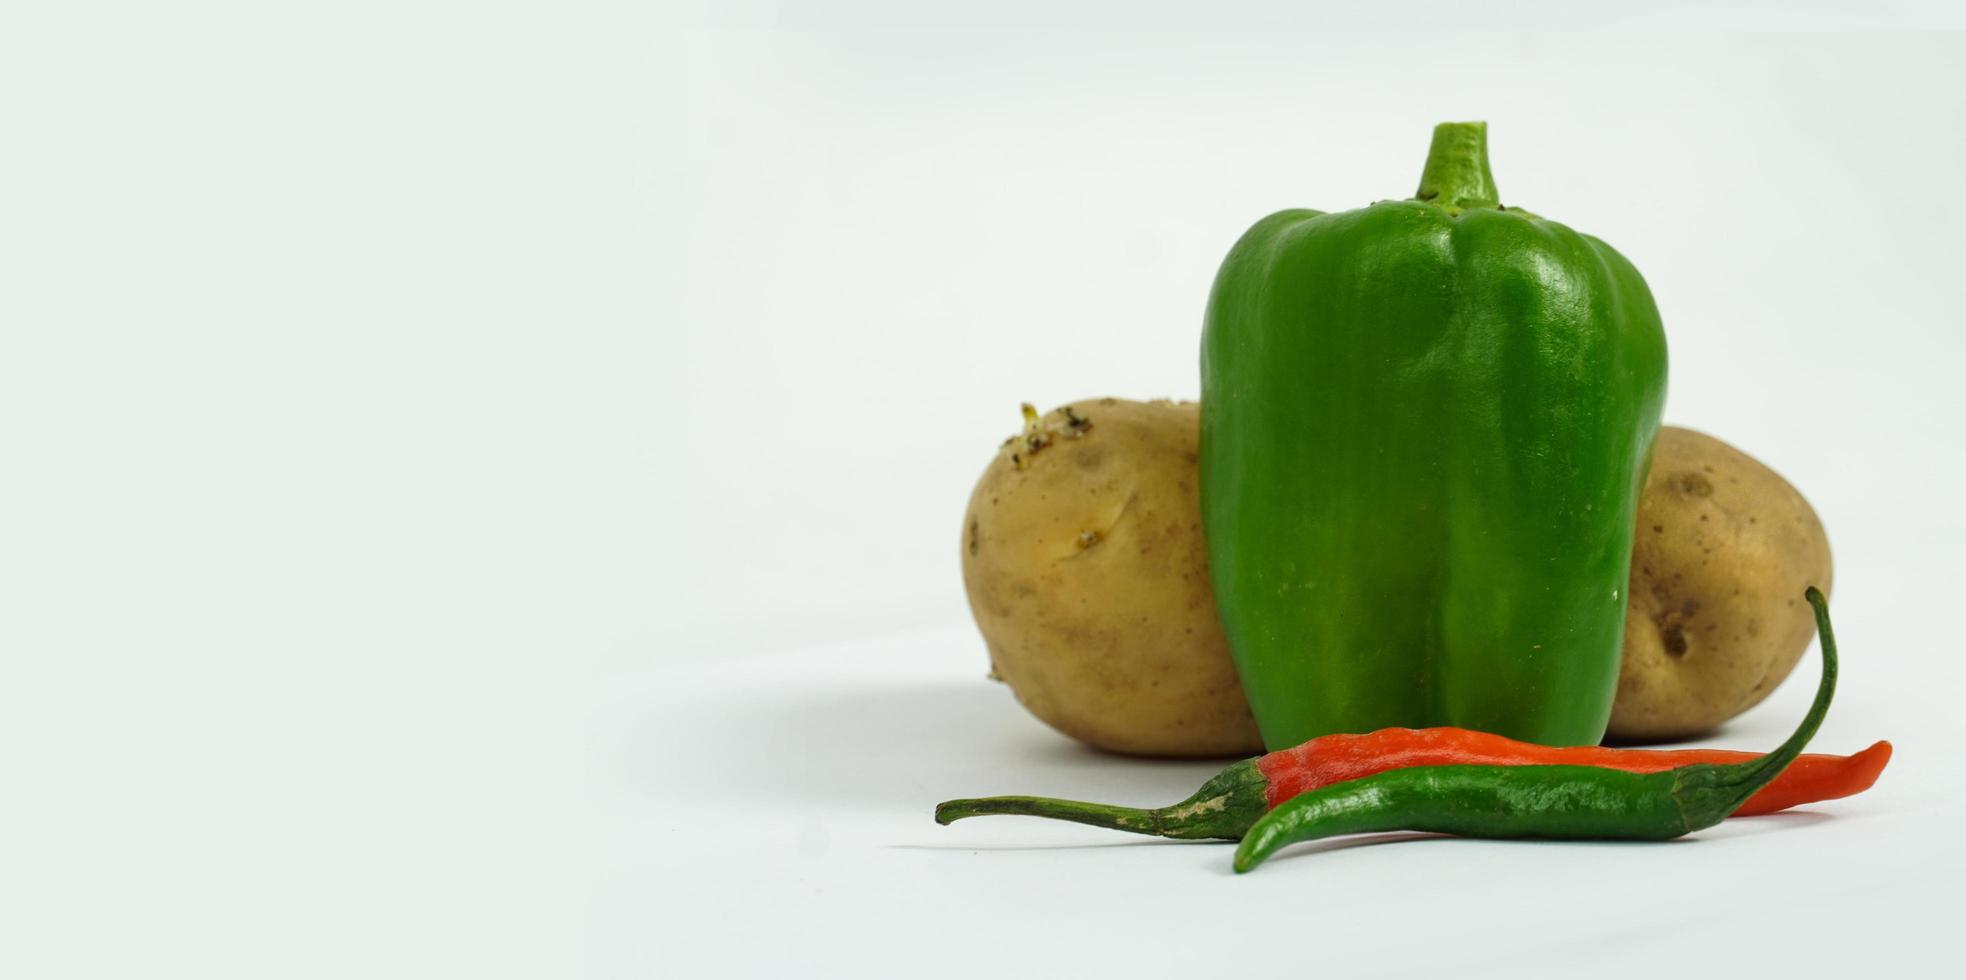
1338,758
1227,805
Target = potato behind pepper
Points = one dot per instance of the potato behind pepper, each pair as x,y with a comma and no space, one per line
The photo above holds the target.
1725,547
1085,566
1087,573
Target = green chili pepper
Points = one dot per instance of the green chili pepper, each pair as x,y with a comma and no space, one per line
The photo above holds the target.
1556,802
1424,428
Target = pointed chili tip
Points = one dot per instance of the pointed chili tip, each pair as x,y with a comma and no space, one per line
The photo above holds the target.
1256,846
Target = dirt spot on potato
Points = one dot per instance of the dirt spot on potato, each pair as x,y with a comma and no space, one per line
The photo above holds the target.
1673,637
1672,625
1076,425
1693,485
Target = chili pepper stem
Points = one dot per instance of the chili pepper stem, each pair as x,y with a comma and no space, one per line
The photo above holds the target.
1139,820
1224,805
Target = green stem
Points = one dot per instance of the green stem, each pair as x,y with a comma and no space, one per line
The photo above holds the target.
1136,820
1223,808
1457,176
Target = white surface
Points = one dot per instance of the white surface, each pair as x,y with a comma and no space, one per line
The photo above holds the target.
793,837
861,249
886,239
481,485
770,816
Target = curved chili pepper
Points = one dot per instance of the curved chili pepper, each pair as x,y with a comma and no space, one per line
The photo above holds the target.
1337,758
1553,802
1237,797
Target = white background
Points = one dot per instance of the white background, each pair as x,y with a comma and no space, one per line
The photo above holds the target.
482,488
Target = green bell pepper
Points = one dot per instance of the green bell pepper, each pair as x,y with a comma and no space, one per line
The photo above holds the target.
1424,428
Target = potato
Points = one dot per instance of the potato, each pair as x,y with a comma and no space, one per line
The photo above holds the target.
1085,566
1724,549
1087,573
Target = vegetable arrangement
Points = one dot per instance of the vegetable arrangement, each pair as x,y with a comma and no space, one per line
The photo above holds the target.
1426,498
1088,577
1470,784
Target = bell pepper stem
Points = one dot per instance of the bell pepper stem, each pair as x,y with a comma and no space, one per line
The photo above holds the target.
1457,176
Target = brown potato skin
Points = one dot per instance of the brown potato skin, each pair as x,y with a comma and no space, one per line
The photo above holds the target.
1087,573
1724,549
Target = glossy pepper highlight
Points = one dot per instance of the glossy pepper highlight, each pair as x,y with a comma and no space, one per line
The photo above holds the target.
1546,802
1439,399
